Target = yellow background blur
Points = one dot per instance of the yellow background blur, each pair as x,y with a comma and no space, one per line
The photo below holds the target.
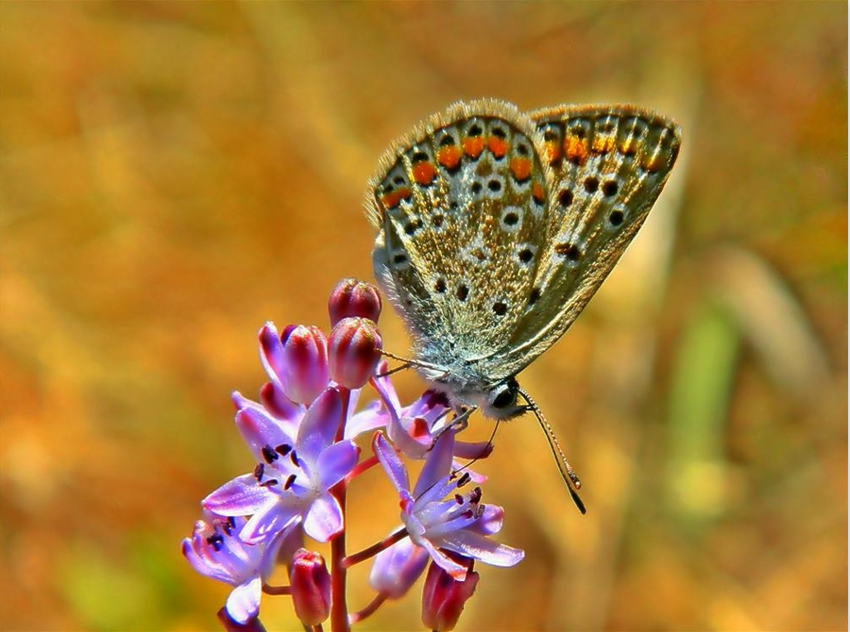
175,174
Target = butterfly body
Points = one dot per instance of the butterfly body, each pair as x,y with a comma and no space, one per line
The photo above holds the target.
496,227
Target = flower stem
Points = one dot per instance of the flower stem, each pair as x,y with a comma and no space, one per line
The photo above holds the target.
364,466
339,608
370,609
370,551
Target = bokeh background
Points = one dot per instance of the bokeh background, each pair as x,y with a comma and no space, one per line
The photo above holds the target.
175,174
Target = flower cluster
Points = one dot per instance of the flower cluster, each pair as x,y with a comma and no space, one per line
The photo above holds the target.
302,434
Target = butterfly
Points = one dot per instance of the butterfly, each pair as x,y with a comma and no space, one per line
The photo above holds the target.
495,227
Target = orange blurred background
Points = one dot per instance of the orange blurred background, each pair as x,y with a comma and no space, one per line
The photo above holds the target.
175,174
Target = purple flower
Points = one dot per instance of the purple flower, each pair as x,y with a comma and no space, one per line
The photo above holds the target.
216,551
292,481
413,429
459,524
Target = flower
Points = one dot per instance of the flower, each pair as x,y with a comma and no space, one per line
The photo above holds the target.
215,550
413,429
291,483
458,525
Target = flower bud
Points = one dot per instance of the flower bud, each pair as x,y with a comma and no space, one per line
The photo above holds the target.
311,587
443,598
355,350
304,363
351,298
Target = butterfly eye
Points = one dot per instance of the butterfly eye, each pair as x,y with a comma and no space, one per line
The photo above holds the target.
504,394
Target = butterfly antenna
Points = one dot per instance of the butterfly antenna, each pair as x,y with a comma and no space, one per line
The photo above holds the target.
567,472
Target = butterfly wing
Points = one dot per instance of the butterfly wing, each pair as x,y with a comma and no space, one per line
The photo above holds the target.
459,205
610,164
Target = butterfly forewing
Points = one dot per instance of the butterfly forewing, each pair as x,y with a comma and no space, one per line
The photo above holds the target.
461,204
609,164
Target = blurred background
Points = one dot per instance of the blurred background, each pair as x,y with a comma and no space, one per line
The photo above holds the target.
175,174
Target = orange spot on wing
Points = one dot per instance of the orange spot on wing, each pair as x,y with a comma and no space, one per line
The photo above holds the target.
602,145
537,192
424,173
629,146
652,164
551,151
575,149
473,146
392,198
498,146
449,156
521,168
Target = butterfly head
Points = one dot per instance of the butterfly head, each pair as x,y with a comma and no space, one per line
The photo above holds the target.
496,401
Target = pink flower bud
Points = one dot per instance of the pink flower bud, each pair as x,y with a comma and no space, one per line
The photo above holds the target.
352,298
355,350
311,587
443,598
305,361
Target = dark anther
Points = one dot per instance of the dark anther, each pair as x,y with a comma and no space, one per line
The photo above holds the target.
464,479
269,455
259,471
294,458
289,482
283,449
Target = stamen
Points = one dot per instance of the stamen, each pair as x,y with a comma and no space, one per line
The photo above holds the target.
269,455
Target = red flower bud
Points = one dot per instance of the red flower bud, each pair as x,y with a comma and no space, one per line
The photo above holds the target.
351,298
305,354
311,587
443,598
355,350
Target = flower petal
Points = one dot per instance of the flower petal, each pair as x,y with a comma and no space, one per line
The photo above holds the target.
243,603
336,461
259,429
481,548
397,568
393,465
438,464
240,496
324,518
269,522
319,426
